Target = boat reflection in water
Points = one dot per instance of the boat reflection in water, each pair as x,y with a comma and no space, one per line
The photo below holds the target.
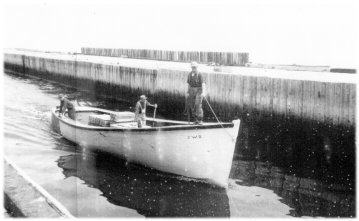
149,192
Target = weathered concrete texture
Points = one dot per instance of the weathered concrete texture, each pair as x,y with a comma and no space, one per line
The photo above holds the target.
23,198
321,96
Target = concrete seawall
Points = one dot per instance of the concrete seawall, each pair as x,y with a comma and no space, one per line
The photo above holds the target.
24,198
290,118
323,97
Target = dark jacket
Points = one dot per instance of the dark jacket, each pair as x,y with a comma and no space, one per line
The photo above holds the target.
196,80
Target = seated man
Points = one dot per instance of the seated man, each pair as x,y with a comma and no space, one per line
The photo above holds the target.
65,103
140,111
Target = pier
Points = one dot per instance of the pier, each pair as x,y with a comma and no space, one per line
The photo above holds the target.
24,198
320,96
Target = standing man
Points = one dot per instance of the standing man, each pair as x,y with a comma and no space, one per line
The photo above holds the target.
65,103
195,93
140,111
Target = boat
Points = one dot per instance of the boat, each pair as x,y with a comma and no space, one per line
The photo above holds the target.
201,152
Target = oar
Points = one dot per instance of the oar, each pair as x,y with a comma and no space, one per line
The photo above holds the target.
154,116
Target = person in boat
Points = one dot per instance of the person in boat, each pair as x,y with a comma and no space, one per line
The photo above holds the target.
195,92
65,103
140,111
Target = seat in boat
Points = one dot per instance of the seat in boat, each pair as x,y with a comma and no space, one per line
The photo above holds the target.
120,120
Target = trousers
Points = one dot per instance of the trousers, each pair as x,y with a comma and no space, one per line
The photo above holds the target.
72,113
141,120
194,102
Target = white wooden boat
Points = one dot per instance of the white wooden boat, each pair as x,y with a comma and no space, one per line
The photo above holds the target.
196,151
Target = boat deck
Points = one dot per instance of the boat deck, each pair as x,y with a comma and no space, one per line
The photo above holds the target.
90,118
87,116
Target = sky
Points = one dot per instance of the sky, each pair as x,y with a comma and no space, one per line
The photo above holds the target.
306,32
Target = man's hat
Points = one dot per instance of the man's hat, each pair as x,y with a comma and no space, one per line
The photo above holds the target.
194,64
62,96
143,97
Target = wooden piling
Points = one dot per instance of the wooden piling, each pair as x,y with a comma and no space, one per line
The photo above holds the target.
223,58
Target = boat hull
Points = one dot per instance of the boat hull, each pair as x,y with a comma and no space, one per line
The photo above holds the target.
192,152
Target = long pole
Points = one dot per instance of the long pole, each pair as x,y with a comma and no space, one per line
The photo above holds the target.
154,116
217,117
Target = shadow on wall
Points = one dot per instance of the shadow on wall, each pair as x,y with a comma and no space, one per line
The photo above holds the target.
307,196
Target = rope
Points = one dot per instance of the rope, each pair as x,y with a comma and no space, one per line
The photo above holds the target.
217,118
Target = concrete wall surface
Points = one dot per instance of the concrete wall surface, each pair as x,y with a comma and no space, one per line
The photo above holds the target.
24,198
321,96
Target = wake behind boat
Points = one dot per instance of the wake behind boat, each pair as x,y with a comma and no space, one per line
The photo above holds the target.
196,151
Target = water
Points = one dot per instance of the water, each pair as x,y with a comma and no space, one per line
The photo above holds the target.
95,184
